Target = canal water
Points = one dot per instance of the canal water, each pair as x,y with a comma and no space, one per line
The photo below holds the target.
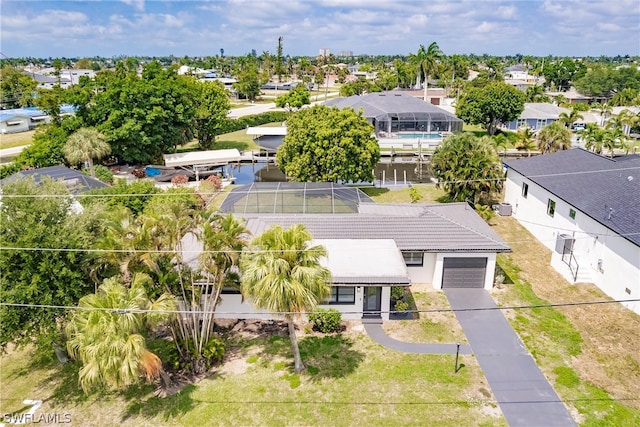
393,171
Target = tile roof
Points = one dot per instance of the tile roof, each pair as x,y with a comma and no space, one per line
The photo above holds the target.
451,227
607,190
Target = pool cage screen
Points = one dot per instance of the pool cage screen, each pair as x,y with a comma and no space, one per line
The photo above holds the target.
294,198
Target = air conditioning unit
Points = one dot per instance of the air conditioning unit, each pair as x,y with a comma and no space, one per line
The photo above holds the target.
504,209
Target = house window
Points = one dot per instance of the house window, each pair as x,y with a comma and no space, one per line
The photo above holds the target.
572,214
525,189
551,208
342,295
540,123
522,123
413,258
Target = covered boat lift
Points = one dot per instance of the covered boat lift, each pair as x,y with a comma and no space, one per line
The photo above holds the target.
197,163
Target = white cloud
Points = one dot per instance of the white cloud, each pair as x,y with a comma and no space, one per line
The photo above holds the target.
137,4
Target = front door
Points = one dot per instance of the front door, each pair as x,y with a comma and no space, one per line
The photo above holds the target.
372,301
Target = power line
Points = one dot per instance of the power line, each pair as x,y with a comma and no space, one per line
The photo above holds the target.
283,313
308,190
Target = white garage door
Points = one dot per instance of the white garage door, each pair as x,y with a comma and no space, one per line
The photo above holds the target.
464,272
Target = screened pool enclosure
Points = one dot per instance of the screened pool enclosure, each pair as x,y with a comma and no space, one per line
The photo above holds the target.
294,198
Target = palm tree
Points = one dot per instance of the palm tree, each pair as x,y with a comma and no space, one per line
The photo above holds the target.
223,239
603,109
85,145
570,118
554,137
615,138
107,334
593,137
426,61
526,140
283,275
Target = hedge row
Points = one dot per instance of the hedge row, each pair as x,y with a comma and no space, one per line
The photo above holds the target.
233,125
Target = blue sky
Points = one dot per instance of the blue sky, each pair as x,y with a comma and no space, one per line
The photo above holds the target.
194,28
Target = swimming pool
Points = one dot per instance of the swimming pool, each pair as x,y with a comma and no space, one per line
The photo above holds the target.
422,135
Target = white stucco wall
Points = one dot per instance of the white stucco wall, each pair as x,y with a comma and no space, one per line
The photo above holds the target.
422,274
231,306
606,259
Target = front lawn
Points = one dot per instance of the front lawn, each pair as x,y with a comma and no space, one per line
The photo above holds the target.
350,380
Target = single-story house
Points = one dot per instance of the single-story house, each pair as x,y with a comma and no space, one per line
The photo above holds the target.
536,115
23,119
401,120
372,247
586,209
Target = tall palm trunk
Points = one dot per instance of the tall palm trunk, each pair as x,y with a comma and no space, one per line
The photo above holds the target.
298,365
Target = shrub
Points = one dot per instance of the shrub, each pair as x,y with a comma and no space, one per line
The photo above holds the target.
179,180
401,306
213,351
397,292
216,181
326,321
102,173
139,173
414,195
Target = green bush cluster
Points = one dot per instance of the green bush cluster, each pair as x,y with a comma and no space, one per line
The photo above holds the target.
326,321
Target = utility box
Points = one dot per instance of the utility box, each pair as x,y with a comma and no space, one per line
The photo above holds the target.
504,209
564,244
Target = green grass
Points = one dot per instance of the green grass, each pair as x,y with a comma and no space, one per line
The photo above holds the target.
429,192
554,343
10,140
238,139
350,380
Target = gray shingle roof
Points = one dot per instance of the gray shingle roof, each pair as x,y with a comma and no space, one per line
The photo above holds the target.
431,228
77,182
607,190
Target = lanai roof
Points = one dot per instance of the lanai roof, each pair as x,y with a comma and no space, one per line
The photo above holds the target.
380,105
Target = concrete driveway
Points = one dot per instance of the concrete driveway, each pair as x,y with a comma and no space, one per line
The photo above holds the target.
523,393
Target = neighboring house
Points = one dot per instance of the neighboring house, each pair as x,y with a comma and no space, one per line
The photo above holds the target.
401,120
435,95
572,96
371,247
24,119
74,180
536,115
586,209
521,73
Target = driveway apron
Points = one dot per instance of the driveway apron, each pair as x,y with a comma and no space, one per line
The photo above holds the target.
523,393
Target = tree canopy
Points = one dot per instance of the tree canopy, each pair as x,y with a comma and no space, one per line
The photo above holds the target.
294,99
326,144
53,276
468,168
491,105
211,112
142,117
